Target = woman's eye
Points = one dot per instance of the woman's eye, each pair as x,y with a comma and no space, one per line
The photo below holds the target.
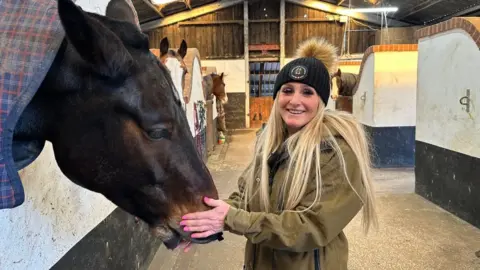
287,90
159,133
308,92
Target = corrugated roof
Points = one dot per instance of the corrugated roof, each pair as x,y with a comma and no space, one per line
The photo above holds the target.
416,12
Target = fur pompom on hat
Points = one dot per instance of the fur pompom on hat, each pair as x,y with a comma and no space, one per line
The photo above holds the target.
320,49
316,61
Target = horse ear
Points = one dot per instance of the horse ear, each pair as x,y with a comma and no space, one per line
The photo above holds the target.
183,49
164,45
122,10
94,42
339,72
221,76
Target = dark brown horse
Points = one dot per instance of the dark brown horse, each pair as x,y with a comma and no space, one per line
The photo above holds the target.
110,110
346,83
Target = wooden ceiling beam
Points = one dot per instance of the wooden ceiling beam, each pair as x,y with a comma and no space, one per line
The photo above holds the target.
189,14
332,8
188,3
152,6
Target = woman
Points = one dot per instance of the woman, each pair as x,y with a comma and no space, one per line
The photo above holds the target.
309,177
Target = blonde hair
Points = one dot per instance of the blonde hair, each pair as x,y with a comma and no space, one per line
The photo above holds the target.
304,152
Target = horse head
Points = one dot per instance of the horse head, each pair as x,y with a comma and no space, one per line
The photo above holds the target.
218,88
345,82
111,112
174,62
337,77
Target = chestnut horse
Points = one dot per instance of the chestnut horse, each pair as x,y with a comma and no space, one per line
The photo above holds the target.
215,87
110,109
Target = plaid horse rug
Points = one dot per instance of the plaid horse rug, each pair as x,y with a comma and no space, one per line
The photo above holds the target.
30,35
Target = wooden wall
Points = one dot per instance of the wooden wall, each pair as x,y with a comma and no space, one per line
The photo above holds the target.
310,24
264,22
219,35
223,39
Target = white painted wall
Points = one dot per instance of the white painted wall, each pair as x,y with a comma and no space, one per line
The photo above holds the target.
363,99
449,63
176,73
389,81
95,6
395,89
56,213
234,71
234,78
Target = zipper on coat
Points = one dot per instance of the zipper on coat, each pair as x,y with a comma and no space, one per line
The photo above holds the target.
316,256
274,266
254,256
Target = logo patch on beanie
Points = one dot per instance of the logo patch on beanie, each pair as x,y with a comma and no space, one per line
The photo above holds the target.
298,72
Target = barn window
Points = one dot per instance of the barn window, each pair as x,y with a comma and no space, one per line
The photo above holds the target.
262,78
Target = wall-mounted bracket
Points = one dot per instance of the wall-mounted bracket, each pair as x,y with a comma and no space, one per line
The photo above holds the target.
466,101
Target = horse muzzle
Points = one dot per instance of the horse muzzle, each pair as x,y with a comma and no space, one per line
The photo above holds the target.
176,234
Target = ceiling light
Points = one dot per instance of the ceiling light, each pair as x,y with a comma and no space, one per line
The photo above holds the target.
161,2
373,10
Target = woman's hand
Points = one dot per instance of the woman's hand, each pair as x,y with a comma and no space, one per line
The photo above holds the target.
208,222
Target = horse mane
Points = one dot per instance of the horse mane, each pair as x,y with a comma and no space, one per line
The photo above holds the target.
126,31
349,81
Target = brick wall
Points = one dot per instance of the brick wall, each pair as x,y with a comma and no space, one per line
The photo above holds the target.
471,25
396,35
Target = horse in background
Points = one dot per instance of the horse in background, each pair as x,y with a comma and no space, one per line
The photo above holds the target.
174,61
345,82
215,87
346,88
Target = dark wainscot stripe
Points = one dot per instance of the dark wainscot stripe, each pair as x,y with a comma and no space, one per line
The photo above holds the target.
450,180
235,111
394,147
118,242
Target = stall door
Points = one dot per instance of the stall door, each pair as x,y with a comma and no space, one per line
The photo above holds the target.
262,80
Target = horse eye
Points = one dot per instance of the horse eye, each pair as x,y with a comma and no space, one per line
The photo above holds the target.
159,133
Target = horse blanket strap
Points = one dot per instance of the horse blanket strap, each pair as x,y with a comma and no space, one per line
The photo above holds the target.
30,35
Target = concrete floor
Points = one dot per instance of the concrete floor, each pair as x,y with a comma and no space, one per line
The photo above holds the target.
413,233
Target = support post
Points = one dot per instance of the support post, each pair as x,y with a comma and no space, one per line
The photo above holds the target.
247,64
282,33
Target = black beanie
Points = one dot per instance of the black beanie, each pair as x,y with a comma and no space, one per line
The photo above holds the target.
307,70
316,59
